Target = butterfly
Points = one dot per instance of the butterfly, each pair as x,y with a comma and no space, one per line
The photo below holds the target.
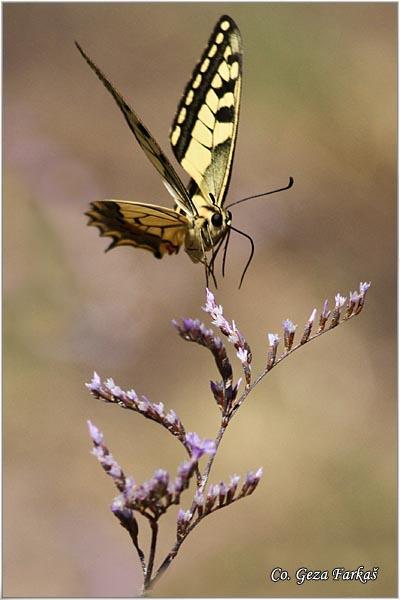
202,137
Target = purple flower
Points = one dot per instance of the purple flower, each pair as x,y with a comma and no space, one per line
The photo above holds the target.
184,516
198,447
95,433
172,417
199,498
223,490
132,395
99,453
273,339
114,389
353,297
190,324
216,313
234,480
325,312
251,482
143,404
159,409
95,384
252,478
178,485
364,287
235,336
130,485
110,384
115,470
118,504
161,476
242,355
339,301
312,316
289,326
289,330
185,468
213,491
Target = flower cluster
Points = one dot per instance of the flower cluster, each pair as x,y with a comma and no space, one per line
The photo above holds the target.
217,496
224,391
110,392
154,497
105,458
222,494
230,330
340,312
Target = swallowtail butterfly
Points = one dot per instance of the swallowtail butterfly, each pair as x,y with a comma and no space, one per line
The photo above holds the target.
202,137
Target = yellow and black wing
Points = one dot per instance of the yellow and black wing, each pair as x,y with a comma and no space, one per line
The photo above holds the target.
147,143
155,228
203,133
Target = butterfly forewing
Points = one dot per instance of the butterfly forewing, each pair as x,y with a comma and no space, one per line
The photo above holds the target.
146,141
204,130
155,228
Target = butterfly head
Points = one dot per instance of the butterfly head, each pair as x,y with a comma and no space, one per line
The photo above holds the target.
215,225
216,220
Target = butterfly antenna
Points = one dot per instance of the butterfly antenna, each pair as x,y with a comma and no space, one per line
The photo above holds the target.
288,186
251,252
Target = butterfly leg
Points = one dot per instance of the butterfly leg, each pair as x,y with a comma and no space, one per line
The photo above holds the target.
208,267
214,255
225,251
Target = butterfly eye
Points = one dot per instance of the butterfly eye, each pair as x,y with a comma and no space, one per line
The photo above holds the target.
216,219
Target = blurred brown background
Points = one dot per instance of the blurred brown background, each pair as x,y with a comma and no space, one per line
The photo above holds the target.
319,104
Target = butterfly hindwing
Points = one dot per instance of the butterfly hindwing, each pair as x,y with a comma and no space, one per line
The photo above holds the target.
155,228
203,133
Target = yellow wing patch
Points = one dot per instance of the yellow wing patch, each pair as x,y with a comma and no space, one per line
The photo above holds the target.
203,138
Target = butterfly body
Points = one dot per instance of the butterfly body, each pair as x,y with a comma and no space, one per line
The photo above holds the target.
206,230
202,137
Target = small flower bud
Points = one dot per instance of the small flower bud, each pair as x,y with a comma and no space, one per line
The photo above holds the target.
218,391
232,487
171,417
339,302
273,339
144,404
158,408
308,327
198,447
95,433
199,501
289,330
95,384
183,521
251,481
222,492
364,287
132,395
